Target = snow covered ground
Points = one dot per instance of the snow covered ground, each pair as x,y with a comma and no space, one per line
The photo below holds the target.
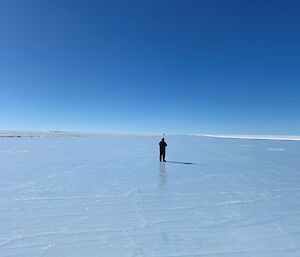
109,196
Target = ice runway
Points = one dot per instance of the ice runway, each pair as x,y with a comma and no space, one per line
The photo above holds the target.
110,197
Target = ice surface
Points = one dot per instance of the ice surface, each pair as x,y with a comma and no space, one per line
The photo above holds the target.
109,196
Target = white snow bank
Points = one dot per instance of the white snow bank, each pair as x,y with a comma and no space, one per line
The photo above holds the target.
262,137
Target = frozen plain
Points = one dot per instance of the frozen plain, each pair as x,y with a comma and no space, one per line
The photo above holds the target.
109,196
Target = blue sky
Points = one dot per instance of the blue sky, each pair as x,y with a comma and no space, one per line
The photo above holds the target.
174,66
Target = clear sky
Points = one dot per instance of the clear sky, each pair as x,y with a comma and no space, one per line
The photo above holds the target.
207,66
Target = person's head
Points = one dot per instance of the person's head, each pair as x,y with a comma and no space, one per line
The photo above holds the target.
163,139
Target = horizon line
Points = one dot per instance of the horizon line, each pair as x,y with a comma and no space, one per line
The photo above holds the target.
61,133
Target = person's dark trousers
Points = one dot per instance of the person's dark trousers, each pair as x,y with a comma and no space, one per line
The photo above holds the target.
162,155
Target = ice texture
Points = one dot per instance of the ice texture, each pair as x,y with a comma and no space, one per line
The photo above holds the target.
109,196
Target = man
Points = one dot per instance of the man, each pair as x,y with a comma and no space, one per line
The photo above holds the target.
162,150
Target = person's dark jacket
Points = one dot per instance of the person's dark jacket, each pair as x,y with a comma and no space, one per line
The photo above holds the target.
162,145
